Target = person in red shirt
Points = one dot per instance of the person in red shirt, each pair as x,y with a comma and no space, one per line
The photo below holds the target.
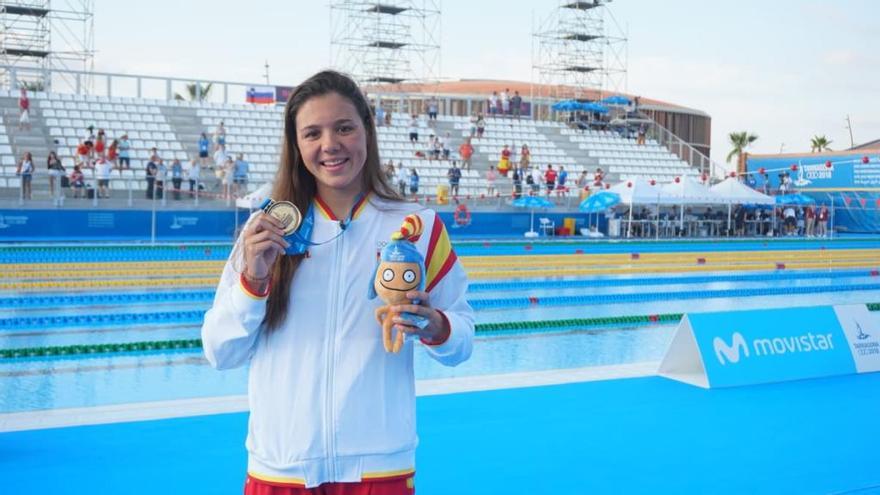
24,107
550,178
466,150
809,221
504,162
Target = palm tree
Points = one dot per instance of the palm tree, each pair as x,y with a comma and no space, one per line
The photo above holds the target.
201,95
819,144
740,141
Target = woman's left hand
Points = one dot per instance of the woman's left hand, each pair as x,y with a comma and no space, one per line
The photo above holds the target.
437,329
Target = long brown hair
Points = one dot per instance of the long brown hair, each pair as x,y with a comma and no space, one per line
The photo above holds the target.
294,183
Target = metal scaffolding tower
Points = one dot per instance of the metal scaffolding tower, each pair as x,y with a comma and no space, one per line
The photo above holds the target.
386,42
580,45
37,35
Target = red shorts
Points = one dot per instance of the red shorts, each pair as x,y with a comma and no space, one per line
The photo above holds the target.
401,485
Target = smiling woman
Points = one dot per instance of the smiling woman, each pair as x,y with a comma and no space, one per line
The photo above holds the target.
330,408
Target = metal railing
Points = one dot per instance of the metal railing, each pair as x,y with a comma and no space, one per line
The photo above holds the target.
686,152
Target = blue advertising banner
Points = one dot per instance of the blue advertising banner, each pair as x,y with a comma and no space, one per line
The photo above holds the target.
738,348
847,171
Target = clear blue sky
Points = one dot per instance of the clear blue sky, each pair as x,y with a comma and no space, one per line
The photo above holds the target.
785,70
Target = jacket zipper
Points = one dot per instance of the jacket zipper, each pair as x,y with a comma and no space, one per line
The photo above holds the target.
331,356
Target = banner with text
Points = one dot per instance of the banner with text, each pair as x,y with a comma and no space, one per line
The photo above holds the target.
773,345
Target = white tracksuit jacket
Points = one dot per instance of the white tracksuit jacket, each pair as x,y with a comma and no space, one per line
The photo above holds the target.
327,402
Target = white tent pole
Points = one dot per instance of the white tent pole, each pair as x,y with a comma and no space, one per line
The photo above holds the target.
729,206
629,226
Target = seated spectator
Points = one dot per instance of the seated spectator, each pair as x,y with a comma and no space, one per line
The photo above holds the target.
77,181
176,177
240,175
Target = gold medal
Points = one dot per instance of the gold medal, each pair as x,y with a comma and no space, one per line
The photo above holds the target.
287,213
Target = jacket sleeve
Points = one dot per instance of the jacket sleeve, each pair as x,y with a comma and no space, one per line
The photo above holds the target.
446,285
232,325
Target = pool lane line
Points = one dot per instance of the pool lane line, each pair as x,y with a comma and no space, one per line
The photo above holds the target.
34,301
481,328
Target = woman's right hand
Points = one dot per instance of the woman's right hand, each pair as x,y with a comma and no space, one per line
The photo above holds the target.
263,242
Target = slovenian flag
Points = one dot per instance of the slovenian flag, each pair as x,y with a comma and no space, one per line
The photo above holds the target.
264,95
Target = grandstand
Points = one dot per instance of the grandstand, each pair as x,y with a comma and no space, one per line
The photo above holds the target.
59,122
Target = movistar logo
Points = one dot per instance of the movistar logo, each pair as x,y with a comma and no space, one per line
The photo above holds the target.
740,348
730,353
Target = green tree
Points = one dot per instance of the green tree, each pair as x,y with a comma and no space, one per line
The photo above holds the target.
740,141
819,144
194,95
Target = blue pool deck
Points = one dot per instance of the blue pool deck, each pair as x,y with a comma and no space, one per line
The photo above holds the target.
635,435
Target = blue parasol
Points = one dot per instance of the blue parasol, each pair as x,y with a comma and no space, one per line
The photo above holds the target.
617,100
797,199
594,107
566,105
600,201
532,202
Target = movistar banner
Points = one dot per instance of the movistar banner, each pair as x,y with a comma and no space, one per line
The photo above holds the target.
773,345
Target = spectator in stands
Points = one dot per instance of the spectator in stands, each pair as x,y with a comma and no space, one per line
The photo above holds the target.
25,170
124,149
434,147
525,157
220,136
100,143
24,111
414,129
113,153
599,177
103,169
402,181
388,118
473,128
643,130
77,181
490,180
444,145
204,147
413,182
516,104
56,171
493,103
89,141
176,177
801,222
481,125
582,180
228,177
561,177
432,110
536,178
454,175
154,155
82,154
765,184
504,161
240,175
466,151
517,182
550,178
389,172
504,98
161,175
380,115
193,175
220,156
152,171
822,221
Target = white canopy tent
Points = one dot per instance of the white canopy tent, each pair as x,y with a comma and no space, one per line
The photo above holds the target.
641,192
687,191
732,191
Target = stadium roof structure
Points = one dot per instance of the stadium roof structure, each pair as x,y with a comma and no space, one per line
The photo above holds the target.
870,145
484,87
